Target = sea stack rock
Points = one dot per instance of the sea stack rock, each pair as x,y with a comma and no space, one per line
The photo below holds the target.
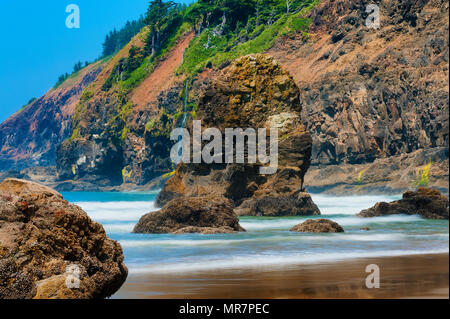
52,249
426,202
253,92
206,215
318,226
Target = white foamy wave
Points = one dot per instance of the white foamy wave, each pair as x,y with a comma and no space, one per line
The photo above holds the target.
348,205
119,228
270,224
272,261
116,211
428,236
359,237
286,224
182,243
356,221
301,237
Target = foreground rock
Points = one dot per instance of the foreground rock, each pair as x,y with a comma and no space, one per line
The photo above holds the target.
206,215
47,244
253,92
318,226
426,202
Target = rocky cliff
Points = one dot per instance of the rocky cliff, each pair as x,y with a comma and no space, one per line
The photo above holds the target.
374,100
30,137
253,92
373,94
121,135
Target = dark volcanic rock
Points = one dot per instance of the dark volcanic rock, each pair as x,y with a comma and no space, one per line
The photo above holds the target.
253,92
207,215
97,160
426,202
370,94
318,226
299,204
43,239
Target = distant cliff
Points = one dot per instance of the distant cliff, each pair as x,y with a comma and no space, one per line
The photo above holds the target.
30,137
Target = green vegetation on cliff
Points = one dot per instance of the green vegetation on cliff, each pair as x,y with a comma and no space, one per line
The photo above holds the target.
223,31
212,47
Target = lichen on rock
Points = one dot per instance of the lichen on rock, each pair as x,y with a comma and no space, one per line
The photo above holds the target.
253,92
42,237
206,215
318,226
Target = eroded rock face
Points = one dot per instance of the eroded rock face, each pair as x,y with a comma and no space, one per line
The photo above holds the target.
253,92
43,239
318,226
125,138
206,215
30,137
426,202
372,93
373,96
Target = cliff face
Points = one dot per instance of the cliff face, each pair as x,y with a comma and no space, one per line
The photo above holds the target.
374,101
121,134
253,92
371,93
30,137
368,96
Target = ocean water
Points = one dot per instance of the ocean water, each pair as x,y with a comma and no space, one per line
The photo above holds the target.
267,242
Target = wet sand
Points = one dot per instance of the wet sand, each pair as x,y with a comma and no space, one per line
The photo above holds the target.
415,276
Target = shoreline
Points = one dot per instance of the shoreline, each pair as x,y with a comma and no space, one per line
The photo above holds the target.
407,276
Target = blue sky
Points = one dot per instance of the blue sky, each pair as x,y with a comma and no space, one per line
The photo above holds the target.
36,46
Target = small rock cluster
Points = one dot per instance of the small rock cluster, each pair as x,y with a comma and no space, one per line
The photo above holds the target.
426,202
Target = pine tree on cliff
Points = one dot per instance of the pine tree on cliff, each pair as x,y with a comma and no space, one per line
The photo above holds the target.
158,13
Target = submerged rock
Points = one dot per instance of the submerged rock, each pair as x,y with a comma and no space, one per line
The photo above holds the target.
253,92
299,204
426,202
207,215
318,226
52,249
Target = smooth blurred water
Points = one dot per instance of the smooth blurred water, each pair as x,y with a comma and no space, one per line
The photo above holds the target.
268,241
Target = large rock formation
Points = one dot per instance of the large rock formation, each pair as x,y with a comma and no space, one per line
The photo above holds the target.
52,249
369,95
426,202
318,226
253,92
206,215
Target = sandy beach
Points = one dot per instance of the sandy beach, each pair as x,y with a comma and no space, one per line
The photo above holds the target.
414,276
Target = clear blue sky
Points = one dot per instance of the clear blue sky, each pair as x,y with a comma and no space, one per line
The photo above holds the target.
36,46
